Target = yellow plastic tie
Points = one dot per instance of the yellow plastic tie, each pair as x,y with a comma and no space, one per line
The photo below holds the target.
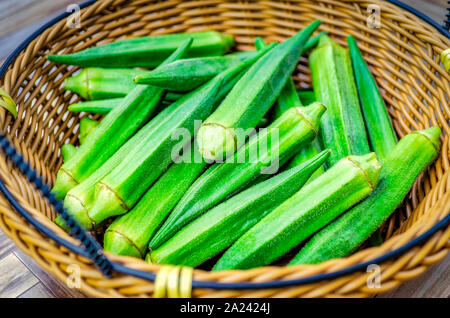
174,282
8,103
445,59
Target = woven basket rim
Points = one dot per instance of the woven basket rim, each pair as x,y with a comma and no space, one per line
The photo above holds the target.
208,284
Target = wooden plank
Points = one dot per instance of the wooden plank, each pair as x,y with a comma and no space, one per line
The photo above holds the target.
19,19
15,278
434,283
37,291
6,245
57,287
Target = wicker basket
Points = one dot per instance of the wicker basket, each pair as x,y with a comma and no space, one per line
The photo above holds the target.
403,55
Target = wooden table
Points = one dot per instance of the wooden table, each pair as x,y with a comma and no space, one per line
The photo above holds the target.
20,276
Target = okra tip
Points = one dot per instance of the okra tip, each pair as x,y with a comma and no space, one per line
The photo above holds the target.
216,142
228,42
118,244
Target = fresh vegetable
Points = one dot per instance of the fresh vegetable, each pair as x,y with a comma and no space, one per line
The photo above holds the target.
288,98
68,151
117,192
101,107
315,205
310,151
115,129
306,96
381,134
401,167
147,51
251,98
80,198
342,128
221,226
87,126
129,235
102,83
282,139
185,75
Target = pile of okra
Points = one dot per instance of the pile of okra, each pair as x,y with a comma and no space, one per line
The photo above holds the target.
204,155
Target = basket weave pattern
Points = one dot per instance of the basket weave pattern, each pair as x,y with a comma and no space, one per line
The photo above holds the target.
403,55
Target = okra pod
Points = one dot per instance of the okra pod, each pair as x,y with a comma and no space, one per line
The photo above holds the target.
102,83
342,128
319,202
262,155
80,198
148,51
251,98
129,235
185,75
381,133
401,167
103,107
226,222
117,192
113,131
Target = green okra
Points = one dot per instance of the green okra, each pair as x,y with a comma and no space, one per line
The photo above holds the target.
310,151
218,228
103,107
68,151
148,51
401,167
319,202
289,98
381,133
264,153
102,83
185,75
118,191
379,128
80,198
250,99
87,126
129,235
342,129
113,131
